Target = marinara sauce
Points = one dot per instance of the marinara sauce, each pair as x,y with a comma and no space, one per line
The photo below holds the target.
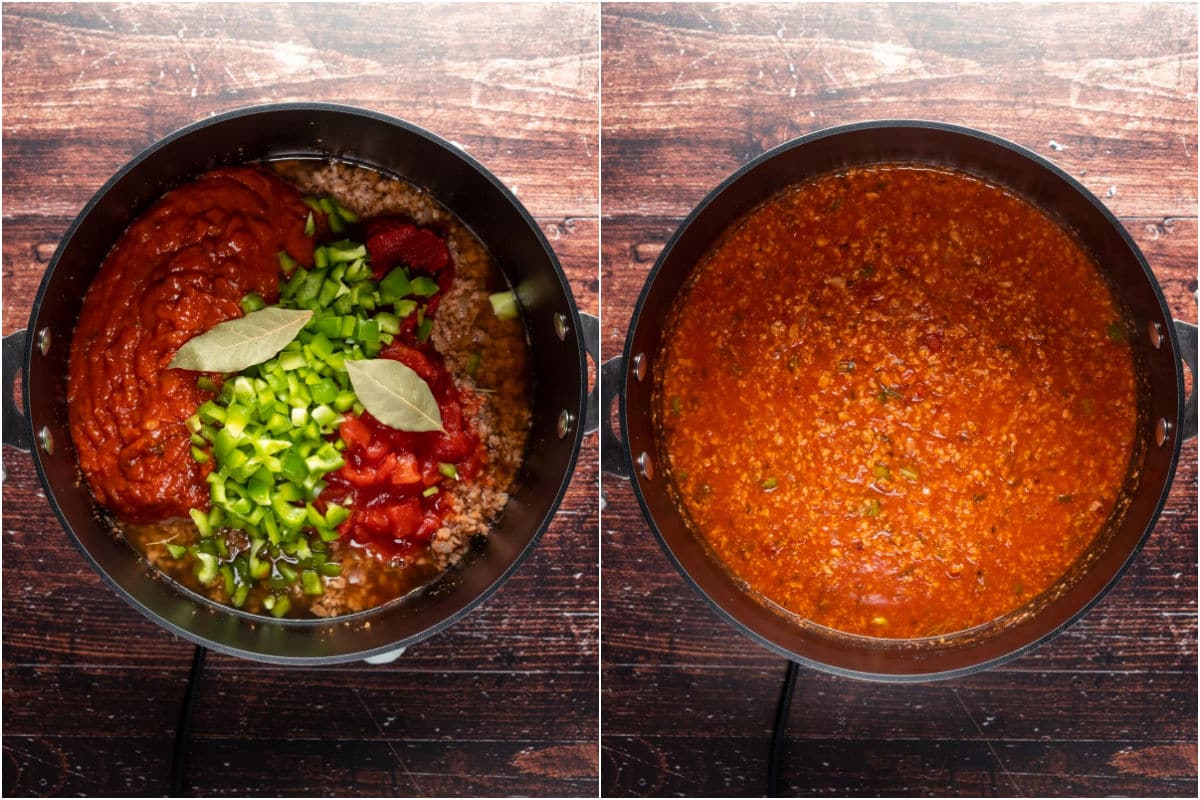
897,401
180,269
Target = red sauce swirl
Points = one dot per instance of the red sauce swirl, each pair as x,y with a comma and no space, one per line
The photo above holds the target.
180,269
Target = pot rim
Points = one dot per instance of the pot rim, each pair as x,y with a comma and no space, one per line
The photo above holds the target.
627,360
205,604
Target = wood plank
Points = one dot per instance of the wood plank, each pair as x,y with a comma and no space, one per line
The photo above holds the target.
459,702
709,701
682,766
378,767
693,92
92,87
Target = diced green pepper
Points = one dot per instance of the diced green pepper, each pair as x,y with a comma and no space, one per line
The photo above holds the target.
425,329
311,582
201,521
395,285
253,302
206,567
504,305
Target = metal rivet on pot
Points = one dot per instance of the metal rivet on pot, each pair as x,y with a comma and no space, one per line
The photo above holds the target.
1156,337
561,327
566,421
646,466
43,341
1162,431
639,366
46,439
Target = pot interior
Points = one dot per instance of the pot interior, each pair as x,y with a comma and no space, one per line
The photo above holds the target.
483,205
1160,396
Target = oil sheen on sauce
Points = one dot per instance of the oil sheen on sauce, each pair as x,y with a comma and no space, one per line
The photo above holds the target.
897,401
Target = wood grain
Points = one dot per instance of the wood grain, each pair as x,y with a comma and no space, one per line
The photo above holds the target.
693,92
690,93
504,701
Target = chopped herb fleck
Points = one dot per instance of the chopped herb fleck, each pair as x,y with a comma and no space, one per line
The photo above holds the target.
886,393
1115,332
908,473
882,472
1066,498
770,484
676,405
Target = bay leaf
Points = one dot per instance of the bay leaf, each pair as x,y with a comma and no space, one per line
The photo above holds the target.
395,395
239,343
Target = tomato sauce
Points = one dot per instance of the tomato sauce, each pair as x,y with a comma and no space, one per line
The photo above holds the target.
180,269
897,401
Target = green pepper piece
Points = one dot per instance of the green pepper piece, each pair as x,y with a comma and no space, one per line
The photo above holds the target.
504,304
253,302
311,582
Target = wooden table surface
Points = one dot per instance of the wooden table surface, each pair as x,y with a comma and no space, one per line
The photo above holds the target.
690,93
503,702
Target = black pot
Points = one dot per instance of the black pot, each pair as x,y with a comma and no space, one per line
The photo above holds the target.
556,333
1164,420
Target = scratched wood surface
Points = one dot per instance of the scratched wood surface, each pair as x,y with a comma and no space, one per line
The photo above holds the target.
504,702
690,93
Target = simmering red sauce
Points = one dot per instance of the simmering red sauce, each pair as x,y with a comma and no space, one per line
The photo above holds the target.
897,401
180,269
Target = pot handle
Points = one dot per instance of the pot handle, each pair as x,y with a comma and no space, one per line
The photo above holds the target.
612,449
16,430
1186,332
589,331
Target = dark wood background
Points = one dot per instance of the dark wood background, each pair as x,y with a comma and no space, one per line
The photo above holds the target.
690,93
504,702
